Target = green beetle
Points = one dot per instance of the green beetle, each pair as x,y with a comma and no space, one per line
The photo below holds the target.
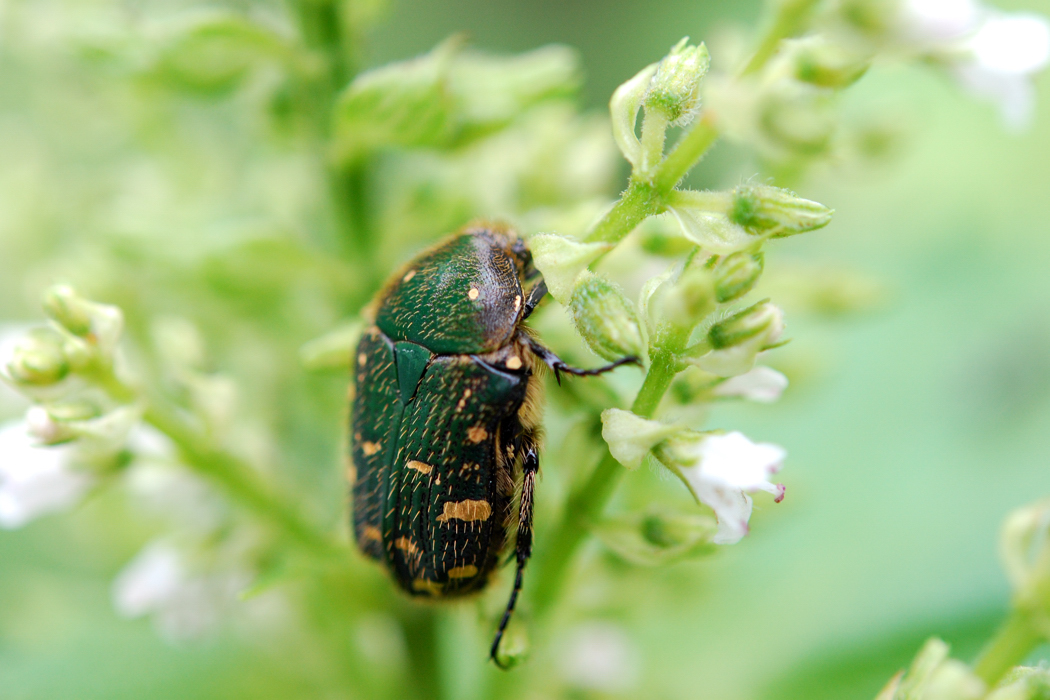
446,416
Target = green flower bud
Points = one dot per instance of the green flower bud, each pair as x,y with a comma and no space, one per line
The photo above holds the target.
214,52
826,64
736,341
797,119
37,359
736,275
690,299
658,538
761,320
98,324
561,260
675,87
606,319
712,231
775,211
630,437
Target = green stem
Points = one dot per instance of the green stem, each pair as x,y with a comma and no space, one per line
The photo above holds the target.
585,505
239,481
1011,644
791,18
685,154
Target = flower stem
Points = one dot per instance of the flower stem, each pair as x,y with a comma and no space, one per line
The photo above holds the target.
1014,640
790,19
586,504
239,481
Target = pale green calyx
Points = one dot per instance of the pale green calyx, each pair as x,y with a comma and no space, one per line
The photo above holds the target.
606,319
737,274
703,219
99,325
38,359
623,108
776,212
561,260
630,437
675,87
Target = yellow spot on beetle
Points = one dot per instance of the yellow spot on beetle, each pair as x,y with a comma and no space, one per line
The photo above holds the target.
406,545
477,434
408,275
371,532
473,293
421,467
362,359
517,303
431,587
467,510
514,362
463,571
370,448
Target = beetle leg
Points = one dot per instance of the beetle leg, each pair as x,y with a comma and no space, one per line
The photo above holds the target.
523,549
559,366
535,296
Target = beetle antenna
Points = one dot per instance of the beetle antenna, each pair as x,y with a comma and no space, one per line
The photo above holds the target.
535,296
559,365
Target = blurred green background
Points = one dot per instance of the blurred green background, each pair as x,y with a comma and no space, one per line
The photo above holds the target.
912,428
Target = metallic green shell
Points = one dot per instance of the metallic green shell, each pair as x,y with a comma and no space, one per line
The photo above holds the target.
432,494
463,297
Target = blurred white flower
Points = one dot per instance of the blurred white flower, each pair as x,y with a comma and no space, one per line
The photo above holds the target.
185,603
722,470
599,656
762,384
992,54
35,479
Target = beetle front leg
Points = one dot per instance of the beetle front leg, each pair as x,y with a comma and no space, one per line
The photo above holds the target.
535,296
523,549
559,366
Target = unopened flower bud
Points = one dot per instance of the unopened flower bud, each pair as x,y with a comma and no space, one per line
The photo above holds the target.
763,319
38,359
98,324
41,425
561,260
606,319
827,64
630,437
675,87
691,299
775,211
737,274
737,340
713,231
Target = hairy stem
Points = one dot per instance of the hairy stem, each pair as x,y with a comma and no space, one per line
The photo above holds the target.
585,505
790,19
240,482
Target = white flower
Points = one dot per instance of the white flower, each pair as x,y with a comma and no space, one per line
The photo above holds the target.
722,470
762,384
1004,53
35,479
992,54
185,603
